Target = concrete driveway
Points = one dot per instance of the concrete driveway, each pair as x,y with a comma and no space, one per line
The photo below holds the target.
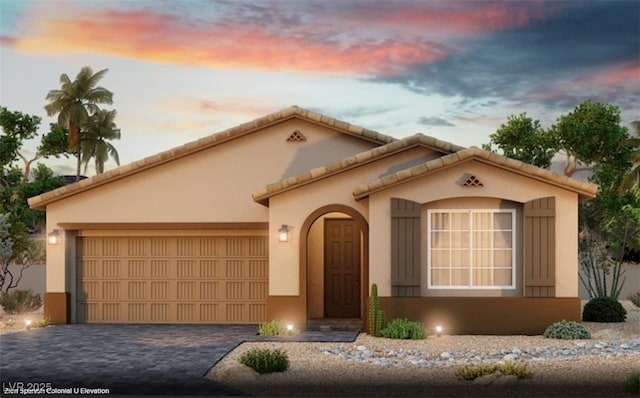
126,359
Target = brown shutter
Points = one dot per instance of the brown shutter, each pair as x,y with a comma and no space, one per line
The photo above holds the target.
540,247
405,248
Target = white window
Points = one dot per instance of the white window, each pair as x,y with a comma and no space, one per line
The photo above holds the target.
471,249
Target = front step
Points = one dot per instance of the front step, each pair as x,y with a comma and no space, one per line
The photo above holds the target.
335,324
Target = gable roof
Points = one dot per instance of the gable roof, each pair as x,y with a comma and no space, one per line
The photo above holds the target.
351,162
584,190
41,201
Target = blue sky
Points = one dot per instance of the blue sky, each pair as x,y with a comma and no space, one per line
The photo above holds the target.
454,70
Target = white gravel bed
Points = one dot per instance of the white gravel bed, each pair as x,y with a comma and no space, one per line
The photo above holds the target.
313,372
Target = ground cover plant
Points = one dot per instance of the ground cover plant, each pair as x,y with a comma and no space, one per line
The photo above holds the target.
404,329
566,330
633,382
635,299
265,360
469,372
272,328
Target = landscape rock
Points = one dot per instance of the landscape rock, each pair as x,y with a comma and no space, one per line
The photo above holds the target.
504,380
487,379
237,373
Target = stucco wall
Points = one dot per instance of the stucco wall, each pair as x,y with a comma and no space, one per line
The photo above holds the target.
498,183
293,207
214,185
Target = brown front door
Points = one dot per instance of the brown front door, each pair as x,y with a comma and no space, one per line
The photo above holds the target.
341,268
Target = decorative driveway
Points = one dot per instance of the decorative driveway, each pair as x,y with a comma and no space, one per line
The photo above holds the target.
128,359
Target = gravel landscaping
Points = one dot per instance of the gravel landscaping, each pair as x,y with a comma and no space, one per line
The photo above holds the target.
384,367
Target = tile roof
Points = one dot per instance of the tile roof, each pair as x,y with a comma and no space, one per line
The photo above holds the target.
359,159
40,202
585,190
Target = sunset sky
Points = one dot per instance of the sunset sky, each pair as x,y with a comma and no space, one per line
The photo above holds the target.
455,70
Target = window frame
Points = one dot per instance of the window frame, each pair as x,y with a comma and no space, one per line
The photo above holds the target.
471,230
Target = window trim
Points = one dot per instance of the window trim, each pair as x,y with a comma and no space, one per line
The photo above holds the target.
471,230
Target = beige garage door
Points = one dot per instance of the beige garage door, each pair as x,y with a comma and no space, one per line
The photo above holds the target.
172,279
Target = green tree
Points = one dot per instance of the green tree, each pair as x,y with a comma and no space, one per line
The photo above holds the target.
18,127
591,137
75,102
18,221
100,129
591,133
633,177
523,138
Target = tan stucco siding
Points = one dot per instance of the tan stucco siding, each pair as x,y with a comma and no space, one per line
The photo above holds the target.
498,183
213,185
293,207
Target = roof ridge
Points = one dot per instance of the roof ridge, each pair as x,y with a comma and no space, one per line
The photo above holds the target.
581,187
354,161
205,143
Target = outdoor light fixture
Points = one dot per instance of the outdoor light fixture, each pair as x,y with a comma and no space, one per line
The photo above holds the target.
54,237
27,323
438,330
283,233
289,328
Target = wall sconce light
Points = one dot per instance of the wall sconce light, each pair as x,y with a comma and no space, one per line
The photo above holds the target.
53,237
283,233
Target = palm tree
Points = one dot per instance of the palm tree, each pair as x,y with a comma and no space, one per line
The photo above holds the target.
100,128
633,177
75,102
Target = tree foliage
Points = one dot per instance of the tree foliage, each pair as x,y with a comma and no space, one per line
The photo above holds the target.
591,134
591,137
75,102
17,184
524,139
17,128
99,129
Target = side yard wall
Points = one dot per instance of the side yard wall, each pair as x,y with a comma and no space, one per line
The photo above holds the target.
631,285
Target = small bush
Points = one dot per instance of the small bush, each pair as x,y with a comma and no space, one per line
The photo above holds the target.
404,329
20,301
265,360
604,309
635,299
633,382
567,331
272,328
469,372
42,323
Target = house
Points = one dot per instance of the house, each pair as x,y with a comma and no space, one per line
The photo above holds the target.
295,215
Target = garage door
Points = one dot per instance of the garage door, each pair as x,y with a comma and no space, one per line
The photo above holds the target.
172,279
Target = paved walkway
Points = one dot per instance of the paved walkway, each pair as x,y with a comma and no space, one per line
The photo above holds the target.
130,359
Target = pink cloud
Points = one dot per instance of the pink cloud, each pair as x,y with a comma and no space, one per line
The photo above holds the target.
165,39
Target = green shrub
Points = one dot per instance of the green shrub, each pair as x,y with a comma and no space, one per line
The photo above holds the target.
635,299
633,382
604,309
20,301
404,329
42,323
469,372
272,328
265,360
567,331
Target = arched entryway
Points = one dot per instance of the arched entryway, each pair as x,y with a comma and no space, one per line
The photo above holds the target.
334,263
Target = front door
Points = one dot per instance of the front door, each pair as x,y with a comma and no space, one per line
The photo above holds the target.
341,268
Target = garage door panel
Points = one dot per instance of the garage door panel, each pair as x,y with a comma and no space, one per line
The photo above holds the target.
172,279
